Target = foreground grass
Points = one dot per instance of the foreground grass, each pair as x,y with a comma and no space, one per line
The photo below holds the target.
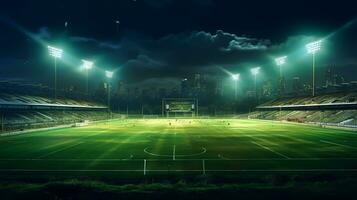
291,188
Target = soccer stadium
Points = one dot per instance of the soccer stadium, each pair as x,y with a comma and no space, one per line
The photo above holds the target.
178,115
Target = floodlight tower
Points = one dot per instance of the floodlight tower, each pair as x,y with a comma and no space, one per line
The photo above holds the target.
87,66
255,72
236,79
312,48
56,54
280,62
109,75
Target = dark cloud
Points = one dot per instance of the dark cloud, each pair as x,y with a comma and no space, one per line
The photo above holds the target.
159,39
165,3
143,57
158,3
43,33
100,44
189,52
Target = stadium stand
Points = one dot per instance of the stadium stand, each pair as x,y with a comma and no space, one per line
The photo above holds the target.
337,109
20,112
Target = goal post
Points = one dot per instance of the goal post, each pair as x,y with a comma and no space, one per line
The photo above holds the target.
179,107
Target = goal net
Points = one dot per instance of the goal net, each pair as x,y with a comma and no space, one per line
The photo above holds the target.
179,107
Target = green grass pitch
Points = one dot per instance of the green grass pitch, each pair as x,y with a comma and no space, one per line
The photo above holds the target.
150,147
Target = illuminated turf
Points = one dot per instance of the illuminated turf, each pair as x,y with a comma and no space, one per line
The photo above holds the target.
185,146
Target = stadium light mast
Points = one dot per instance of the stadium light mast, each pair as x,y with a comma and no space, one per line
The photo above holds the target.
280,62
109,75
255,72
56,54
87,66
313,48
236,79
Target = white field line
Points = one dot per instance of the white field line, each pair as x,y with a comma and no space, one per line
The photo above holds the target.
144,167
174,152
341,145
50,128
59,150
204,150
271,150
177,159
352,131
187,170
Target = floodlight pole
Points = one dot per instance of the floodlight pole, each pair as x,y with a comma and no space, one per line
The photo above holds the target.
313,74
55,78
87,66
108,88
312,48
87,87
236,89
55,53
282,81
255,85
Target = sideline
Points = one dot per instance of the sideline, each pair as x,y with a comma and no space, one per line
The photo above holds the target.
311,124
71,125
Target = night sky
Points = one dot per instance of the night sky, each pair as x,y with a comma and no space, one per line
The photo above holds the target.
162,41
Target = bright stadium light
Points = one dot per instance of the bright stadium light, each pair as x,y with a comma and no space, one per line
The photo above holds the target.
312,48
236,79
280,62
255,72
109,74
87,66
56,53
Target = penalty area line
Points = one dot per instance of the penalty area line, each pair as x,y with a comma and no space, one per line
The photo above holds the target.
174,152
341,145
271,150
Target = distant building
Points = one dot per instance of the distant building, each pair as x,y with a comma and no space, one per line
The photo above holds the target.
219,87
121,89
185,88
197,82
338,80
197,85
282,86
296,85
136,92
267,89
307,88
328,77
